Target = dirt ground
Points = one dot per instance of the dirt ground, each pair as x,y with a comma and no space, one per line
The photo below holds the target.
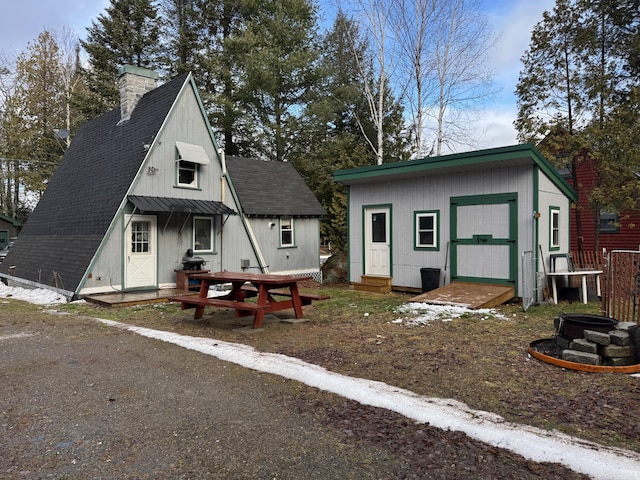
81,400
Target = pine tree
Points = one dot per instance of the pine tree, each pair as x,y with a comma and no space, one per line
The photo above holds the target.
127,33
279,58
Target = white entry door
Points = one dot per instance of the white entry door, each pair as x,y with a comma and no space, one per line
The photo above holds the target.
377,241
140,252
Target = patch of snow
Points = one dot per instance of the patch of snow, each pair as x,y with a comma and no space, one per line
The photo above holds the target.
417,313
38,296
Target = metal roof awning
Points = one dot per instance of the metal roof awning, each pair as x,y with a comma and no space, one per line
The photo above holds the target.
192,153
180,205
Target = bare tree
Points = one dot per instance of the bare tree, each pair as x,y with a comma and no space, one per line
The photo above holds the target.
375,20
414,24
460,44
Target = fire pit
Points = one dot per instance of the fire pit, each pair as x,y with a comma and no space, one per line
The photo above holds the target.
573,325
591,343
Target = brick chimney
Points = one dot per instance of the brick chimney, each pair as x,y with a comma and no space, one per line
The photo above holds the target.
134,82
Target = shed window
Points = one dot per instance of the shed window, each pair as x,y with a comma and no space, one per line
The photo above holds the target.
554,228
202,234
286,232
426,230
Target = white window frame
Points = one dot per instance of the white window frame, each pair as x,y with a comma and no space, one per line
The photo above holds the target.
554,228
286,227
418,245
183,165
197,248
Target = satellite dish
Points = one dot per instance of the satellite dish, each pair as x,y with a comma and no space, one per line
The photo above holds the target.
61,133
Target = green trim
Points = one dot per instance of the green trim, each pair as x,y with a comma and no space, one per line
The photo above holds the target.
497,157
436,214
553,209
536,223
140,71
510,199
364,235
349,234
10,220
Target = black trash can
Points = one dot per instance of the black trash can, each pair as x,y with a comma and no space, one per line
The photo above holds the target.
430,279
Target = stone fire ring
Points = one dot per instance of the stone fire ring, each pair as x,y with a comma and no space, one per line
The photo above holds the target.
578,366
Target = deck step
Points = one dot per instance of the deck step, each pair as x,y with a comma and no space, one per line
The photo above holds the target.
369,283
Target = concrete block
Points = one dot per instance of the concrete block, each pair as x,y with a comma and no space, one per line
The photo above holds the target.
617,362
597,337
581,357
625,325
584,345
619,337
613,351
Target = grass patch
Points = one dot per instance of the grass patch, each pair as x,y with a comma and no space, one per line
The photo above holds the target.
480,359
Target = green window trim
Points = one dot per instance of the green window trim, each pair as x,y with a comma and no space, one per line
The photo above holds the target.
422,231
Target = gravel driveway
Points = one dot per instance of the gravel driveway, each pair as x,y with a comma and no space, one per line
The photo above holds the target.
81,400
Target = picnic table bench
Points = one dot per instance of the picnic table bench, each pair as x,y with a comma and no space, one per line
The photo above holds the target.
244,285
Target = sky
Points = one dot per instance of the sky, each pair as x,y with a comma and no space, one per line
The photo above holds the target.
22,21
533,443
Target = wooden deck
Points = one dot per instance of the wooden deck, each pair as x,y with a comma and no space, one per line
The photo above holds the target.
127,299
469,295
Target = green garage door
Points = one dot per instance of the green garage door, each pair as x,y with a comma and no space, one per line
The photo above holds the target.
484,232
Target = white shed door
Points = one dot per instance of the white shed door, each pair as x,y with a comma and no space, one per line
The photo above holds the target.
377,241
484,239
140,252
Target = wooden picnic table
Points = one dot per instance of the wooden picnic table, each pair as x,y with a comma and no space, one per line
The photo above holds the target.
243,285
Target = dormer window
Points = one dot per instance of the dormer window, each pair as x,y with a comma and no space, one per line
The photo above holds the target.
187,174
190,159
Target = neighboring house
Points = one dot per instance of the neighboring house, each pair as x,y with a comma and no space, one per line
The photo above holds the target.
474,213
137,188
281,213
9,229
617,231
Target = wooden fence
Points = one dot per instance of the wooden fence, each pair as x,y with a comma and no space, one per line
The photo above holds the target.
621,292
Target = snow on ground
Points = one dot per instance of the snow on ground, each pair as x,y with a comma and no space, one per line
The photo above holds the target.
38,296
533,443
416,313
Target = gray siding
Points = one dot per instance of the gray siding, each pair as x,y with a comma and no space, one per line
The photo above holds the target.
432,193
304,256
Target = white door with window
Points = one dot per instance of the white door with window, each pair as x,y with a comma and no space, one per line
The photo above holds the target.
377,241
140,252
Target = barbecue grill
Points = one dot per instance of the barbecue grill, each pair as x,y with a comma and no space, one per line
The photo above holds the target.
189,262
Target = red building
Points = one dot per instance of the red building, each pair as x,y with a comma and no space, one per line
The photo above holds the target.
617,231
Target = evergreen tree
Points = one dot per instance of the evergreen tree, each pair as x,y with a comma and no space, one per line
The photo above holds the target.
572,89
127,33
279,62
39,106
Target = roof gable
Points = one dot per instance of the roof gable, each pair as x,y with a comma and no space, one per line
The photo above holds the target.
67,226
271,188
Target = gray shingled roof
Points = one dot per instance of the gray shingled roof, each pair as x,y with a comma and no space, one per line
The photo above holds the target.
61,236
271,189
